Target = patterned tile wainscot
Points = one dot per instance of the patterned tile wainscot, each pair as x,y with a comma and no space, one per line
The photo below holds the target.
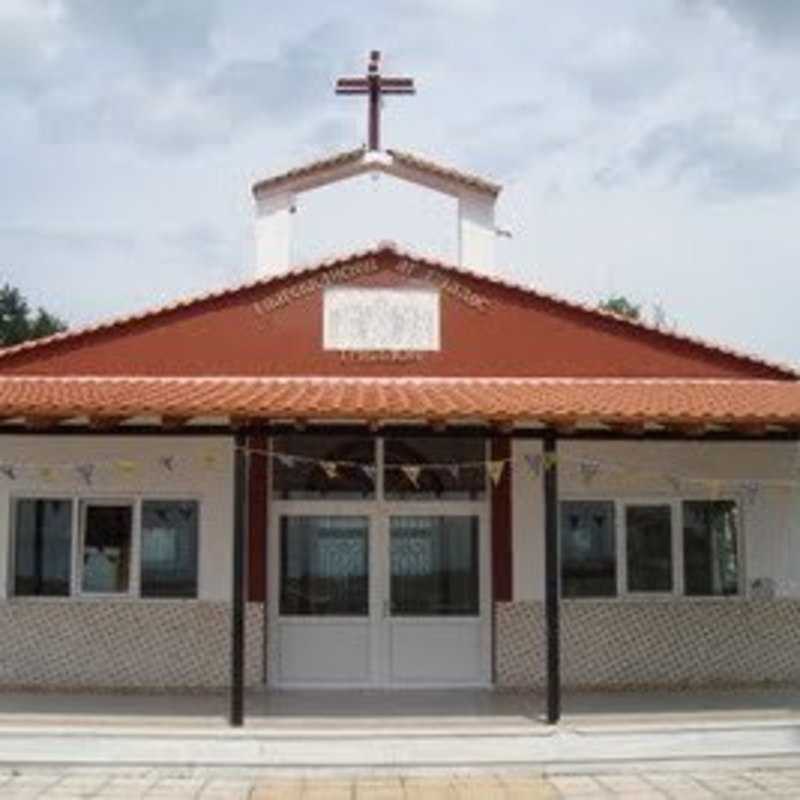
672,644
123,645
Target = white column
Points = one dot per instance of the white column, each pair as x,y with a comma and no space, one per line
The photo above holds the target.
273,232
476,232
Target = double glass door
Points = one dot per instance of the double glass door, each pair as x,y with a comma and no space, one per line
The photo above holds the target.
385,598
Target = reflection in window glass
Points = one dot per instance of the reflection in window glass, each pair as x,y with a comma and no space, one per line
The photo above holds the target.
106,547
299,475
42,547
169,548
445,481
648,533
324,566
588,549
710,547
434,566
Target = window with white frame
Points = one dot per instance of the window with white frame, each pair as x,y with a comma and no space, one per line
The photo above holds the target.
611,548
98,547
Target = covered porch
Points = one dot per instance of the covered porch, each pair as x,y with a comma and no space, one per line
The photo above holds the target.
544,416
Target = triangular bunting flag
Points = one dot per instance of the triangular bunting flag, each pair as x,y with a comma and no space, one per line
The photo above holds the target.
168,462
750,491
85,471
209,460
454,471
125,466
495,470
9,471
549,460
46,473
411,471
588,470
370,471
286,460
535,463
330,468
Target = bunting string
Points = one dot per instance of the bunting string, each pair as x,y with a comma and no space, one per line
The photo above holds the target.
587,470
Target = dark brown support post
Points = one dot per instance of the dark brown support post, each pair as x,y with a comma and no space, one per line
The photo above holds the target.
552,588
237,594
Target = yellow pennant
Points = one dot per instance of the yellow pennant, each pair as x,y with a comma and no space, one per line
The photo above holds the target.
210,460
495,469
549,460
125,466
46,473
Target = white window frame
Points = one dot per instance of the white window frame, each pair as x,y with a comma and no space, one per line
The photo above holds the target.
78,551
676,523
79,501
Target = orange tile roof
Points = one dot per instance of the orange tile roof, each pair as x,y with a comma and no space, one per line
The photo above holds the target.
723,402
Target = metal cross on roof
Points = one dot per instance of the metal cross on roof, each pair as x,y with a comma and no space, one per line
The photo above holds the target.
375,86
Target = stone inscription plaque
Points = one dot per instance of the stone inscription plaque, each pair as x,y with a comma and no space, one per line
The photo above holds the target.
359,319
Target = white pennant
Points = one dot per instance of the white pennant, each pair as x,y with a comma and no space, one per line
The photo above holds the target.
286,460
495,470
330,468
370,471
589,470
411,471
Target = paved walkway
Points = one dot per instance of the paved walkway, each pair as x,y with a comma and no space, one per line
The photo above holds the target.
130,784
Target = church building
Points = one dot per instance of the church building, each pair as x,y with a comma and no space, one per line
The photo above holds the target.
385,471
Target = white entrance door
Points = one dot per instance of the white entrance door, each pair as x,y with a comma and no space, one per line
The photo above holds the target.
397,596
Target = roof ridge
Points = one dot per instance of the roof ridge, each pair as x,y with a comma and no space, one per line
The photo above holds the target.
419,380
299,271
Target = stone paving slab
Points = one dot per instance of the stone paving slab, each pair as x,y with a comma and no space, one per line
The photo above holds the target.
714,782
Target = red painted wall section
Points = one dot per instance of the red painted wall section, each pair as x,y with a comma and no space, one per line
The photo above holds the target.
275,329
502,542
257,520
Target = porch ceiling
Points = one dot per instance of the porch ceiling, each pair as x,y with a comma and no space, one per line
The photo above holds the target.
750,407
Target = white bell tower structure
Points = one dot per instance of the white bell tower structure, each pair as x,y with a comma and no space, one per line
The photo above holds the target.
276,196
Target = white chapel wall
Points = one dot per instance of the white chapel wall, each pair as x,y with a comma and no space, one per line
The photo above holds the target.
770,520
202,469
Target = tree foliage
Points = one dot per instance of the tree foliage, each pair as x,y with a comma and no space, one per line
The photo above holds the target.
619,304
18,323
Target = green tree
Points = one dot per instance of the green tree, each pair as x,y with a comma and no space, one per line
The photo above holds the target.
19,324
619,304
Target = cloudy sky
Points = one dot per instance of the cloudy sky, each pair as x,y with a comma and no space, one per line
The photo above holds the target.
646,148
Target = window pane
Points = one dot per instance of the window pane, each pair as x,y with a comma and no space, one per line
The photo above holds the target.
169,548
649,548
710,547
434,563
588,550
324,566
107,548
43,547
442,481
298,473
